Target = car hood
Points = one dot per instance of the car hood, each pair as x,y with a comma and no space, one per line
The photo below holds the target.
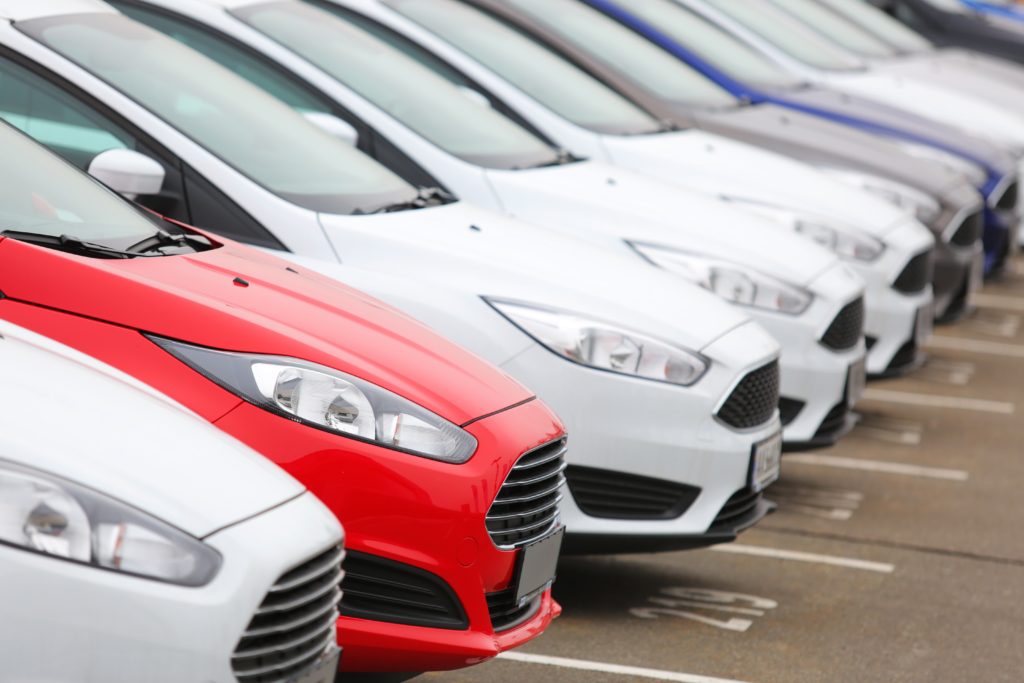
820,142
71,416
874,111
240,299
716,165
474,253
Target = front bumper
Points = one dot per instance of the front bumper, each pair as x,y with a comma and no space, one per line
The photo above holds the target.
623,426
423,517
65,623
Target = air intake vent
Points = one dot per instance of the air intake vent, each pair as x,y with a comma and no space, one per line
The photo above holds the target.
754,399
506,614
737,510
617,495
385,590
916,275
969,231
847,328
1010,198
295,624
526,507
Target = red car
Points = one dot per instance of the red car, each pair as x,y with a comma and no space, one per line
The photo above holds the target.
444,470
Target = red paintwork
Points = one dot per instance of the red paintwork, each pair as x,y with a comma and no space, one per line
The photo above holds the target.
395,505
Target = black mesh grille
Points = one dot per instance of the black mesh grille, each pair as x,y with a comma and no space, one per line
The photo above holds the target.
1008,202
294,625
505,614
754,399
526,507
736,511
385,590
616,495
916,275
969,231
847,328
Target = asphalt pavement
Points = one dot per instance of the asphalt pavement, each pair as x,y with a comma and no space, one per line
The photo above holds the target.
896,556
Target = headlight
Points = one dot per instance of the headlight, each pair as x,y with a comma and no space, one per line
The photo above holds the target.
51,516
732,282
850,246
604,346
327,399
924,207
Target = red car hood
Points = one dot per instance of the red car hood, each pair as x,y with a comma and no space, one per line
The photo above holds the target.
239,299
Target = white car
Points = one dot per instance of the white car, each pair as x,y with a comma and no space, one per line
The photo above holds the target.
131,552
773,277
658,381
809,52
884,245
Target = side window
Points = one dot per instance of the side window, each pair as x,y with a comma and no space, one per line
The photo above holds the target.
235,58
214,211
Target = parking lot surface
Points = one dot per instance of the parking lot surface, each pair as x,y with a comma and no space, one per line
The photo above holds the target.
895,556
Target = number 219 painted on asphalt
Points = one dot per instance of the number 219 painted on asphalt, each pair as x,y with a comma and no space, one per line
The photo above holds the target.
676,602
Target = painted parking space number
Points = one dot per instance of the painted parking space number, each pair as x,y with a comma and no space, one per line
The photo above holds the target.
679,603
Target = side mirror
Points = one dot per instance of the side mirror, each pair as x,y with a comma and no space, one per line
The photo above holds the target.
127,172
474,96
333,126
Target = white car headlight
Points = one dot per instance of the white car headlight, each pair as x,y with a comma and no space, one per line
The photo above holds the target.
49,515
846,244
924,207
733,282
331,400
604,346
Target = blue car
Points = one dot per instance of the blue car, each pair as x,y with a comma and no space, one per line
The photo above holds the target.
1005,8
707,48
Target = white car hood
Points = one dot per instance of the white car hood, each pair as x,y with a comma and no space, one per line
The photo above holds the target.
605,204
716,165
940,102
470,252
71,416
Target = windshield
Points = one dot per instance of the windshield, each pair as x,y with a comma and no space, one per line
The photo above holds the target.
836,28
713,45
41,193
647,65
399,85
880,24
787,34
248,129
540,73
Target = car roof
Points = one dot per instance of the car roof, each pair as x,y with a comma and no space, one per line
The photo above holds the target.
20,10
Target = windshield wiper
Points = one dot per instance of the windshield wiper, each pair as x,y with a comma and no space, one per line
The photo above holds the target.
68,243
162,238
425,196
562,157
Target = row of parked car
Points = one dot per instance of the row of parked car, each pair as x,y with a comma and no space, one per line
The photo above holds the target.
485,280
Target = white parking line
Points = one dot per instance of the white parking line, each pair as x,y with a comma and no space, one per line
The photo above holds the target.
1009,303
988,348
933,401
876,466
619,669
833,560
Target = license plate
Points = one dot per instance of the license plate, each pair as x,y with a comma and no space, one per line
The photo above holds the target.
323,671
924,324
856,380
764,468
537,564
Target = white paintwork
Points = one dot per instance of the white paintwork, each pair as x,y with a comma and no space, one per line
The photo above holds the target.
19,10
127,171
68,415
690,160
433,264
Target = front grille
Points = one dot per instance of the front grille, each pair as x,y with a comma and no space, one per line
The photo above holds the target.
736,510
1008,202
847,328
504,611
526,507
916,275
969,231
617,495
384,590
754,399
834,422
294,625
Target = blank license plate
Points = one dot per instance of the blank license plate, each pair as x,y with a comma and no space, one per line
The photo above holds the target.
765,466
856,380
537,566
924,324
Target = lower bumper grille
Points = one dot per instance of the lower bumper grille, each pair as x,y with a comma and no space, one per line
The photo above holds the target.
616,495
847,328
385,590
737,510
1010,198
969,231
834,422
754,400
294,625
505,614
916,275
789,409
905,358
